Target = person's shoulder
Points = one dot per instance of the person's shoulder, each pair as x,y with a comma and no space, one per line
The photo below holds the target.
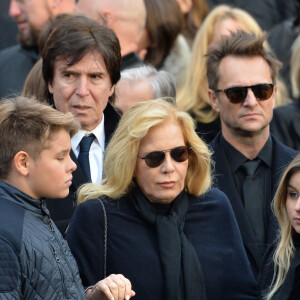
284,150
216,141
18,54
10,50
12,222
93,206
285,112
212,199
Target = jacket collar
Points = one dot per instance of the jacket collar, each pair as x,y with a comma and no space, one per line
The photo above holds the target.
15,195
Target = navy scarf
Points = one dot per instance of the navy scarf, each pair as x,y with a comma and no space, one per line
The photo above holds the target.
182,271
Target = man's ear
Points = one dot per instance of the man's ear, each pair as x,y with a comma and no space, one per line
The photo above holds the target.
214,100
108,18
50,88
112,89
21,162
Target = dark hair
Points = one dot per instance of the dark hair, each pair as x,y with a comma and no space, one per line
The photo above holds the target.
239,44
73,38
164,23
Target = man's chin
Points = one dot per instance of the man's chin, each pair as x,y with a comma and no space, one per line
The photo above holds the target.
28,40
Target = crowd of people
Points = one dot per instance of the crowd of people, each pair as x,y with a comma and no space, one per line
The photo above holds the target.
149,150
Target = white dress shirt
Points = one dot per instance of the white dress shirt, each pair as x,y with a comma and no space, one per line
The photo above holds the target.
96,154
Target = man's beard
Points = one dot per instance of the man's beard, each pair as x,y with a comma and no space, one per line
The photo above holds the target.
29,39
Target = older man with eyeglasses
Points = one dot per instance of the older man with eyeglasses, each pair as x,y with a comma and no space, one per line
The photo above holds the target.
248,160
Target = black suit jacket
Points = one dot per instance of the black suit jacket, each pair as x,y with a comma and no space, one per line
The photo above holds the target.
224,180
61,210
286,124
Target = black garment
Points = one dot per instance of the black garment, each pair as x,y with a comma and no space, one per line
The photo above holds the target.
253,195
228,183
180,264
133,250
15,64
35,261
290,289
286,124
281,38
8,26
236,159
131,60
61,210
207,131
267,13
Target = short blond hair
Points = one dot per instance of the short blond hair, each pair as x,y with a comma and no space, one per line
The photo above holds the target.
121,153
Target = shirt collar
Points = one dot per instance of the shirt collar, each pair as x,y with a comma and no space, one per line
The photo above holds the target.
98,132
236,159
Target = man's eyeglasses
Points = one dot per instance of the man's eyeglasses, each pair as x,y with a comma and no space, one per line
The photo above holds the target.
156,158
238,94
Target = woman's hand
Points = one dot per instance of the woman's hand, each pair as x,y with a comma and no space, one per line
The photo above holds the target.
113,287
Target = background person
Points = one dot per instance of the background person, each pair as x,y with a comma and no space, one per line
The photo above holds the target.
81,65
16,61
161,228
126,18
280,276
194,12
286,119
143,83
162,44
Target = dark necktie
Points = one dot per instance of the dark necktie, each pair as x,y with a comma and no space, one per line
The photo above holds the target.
83,157
253,199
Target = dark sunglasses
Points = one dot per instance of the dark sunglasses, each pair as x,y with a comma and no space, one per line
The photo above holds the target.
238,94
156,158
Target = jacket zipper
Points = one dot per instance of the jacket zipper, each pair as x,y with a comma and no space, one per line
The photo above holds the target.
57,260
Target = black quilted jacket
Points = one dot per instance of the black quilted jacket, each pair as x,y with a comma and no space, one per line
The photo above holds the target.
35,261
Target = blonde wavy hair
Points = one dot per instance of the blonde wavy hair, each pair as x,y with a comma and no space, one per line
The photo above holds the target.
192,96
121,153
285,249
295,67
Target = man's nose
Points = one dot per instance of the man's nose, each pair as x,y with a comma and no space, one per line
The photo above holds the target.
14,9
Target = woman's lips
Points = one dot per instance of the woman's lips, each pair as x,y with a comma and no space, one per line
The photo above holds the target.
167,184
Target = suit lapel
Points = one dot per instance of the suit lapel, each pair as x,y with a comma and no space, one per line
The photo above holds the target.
225,183
111,121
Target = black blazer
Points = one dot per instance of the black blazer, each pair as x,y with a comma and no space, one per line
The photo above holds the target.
282,156
286,124
61,210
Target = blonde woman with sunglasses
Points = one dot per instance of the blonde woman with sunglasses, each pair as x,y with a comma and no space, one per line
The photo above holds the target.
155,219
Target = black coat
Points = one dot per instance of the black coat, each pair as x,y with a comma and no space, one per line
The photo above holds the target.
61,210
286,124
290,289
15,64
131,60
132,247
282,156
35,262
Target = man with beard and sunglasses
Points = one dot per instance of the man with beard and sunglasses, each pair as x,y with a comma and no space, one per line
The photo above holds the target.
248,160
17,61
